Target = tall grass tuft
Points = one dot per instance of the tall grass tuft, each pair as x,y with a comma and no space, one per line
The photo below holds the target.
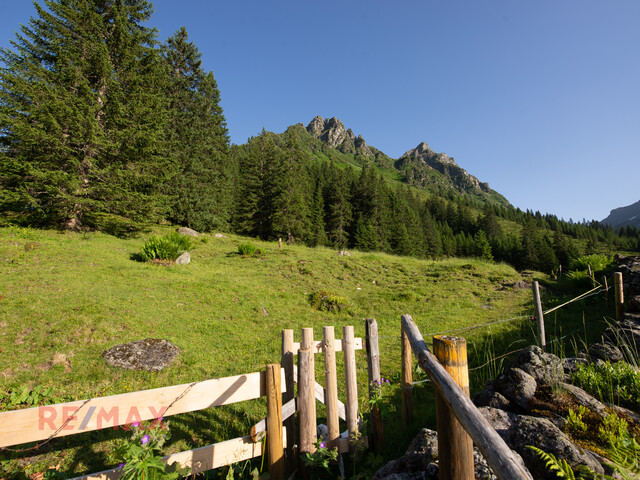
167,247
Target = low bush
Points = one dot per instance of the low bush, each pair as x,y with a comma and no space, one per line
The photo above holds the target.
168,247
248,249
328,302
612,382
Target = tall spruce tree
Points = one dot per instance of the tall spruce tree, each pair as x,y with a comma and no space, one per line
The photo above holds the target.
198,140
82,115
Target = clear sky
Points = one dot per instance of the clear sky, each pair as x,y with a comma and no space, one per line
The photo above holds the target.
541,99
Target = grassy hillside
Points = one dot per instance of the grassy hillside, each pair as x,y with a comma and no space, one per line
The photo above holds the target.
67,297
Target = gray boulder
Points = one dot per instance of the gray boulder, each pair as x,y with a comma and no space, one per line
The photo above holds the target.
517,386
183,259
605,351
188,232
151,354
420,461
545,368
521,431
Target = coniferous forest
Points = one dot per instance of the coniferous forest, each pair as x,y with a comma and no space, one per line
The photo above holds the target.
104,126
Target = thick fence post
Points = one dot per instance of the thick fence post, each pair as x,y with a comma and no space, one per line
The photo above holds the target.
501,459
375,384
348,346
539,314
455,448
407,379
306,394
617,279
287,363
331,379
274,422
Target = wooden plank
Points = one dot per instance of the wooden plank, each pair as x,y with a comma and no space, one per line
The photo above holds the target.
455,448
407,378
331,393
499,456
274,423
39,423
288,364
288,409
539,315
618,284
350,379
306,396
375,385
320,396
200,459
318,346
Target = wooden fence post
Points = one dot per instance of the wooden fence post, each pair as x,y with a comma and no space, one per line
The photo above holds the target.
407,379
499,456
306,393
287,363
331,379
539,314
274,422
617,279
375,384
348,347
455,447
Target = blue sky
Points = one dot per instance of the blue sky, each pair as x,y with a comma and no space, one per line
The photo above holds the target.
540,99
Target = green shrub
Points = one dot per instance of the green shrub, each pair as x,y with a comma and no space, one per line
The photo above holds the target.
597,261
168,247
248,249
328,302
617,382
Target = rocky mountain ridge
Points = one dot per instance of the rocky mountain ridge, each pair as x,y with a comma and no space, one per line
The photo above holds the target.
421,166
624,216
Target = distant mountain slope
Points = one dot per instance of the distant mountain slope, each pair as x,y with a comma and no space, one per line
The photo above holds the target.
624,216
420,167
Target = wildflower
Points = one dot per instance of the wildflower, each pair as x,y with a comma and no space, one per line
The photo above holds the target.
121,465
145,440
322,445
135,424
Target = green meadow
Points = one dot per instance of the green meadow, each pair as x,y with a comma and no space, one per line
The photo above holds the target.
67,297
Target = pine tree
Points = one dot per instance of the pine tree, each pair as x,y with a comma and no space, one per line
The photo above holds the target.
290,193
340,210
198,140
81,115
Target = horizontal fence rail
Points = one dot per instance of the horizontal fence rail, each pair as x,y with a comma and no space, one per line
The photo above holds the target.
51,421
500,457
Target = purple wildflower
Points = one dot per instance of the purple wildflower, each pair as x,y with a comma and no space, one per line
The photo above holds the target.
121,465
322,445
145,440
135,424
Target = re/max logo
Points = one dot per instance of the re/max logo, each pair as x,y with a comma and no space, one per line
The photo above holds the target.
67,417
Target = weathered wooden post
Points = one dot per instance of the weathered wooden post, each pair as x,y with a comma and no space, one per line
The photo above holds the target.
306,394
287,361
499,456
375,384
274,422
348,347
455,447
617,279
407,379
539,314
331,379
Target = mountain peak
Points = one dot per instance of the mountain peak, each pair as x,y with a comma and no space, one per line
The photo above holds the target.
333,132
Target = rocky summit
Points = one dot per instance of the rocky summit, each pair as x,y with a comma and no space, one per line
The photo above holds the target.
333,132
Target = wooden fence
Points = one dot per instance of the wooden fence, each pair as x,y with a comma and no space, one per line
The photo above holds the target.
45,422
457,417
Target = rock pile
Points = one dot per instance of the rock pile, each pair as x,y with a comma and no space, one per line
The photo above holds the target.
528,403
